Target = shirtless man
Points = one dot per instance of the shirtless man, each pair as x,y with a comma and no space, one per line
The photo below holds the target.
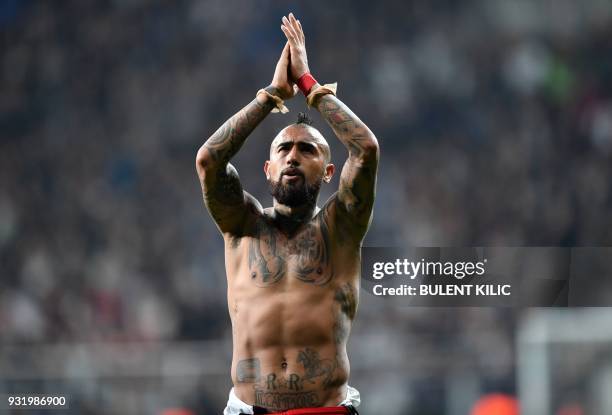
292,269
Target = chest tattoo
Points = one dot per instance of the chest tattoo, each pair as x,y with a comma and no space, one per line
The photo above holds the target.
305,255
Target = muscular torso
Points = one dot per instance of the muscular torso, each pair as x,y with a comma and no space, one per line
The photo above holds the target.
292,296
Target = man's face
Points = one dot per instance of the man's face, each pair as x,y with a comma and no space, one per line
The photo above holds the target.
299,162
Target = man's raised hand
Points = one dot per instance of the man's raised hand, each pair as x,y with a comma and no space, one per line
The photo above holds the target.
292,28
284,87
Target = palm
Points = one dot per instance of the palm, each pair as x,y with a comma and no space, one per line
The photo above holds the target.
281,80
292,28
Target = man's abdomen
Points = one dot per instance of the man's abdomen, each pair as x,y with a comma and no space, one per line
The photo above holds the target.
289,348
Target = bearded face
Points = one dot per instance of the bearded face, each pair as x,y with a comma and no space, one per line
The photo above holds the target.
292,189
298,164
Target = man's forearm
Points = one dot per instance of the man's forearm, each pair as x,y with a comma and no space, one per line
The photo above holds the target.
351,131
229,138
355,196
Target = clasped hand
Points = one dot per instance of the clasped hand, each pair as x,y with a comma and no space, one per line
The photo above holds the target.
293,62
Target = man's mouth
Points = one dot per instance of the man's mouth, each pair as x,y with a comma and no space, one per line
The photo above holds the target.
292,174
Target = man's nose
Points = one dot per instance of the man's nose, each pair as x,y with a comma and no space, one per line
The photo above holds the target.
293,157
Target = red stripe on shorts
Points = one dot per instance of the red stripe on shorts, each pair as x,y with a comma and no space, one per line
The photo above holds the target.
325,410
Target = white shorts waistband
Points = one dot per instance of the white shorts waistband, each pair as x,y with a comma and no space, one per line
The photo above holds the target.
235,406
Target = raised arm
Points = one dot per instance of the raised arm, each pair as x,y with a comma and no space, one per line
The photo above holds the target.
355,197
227,203
352,207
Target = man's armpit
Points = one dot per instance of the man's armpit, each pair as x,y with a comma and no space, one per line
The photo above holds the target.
227,203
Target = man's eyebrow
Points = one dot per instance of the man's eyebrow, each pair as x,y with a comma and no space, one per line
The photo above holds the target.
300,142
308,144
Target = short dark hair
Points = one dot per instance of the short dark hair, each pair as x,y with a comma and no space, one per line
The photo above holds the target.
303,118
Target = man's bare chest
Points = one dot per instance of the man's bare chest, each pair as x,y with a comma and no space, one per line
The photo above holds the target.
304,254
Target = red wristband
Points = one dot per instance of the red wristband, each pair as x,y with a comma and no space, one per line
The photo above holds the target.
305,83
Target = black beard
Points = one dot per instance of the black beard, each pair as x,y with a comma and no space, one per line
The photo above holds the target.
293,195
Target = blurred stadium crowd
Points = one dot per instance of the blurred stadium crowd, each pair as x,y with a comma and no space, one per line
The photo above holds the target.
495,124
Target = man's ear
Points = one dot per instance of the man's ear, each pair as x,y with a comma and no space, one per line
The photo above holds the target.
329,173
266,167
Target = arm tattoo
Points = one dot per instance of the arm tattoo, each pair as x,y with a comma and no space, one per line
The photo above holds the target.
351,131
223,194
358,177
228,139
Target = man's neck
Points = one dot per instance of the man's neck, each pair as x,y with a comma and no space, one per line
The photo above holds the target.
290,217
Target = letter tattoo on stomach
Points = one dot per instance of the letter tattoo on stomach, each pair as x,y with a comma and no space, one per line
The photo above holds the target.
283,392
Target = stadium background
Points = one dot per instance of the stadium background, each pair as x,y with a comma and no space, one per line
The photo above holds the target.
495,124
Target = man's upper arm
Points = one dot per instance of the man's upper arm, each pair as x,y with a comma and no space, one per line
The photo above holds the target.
227,203
356,193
